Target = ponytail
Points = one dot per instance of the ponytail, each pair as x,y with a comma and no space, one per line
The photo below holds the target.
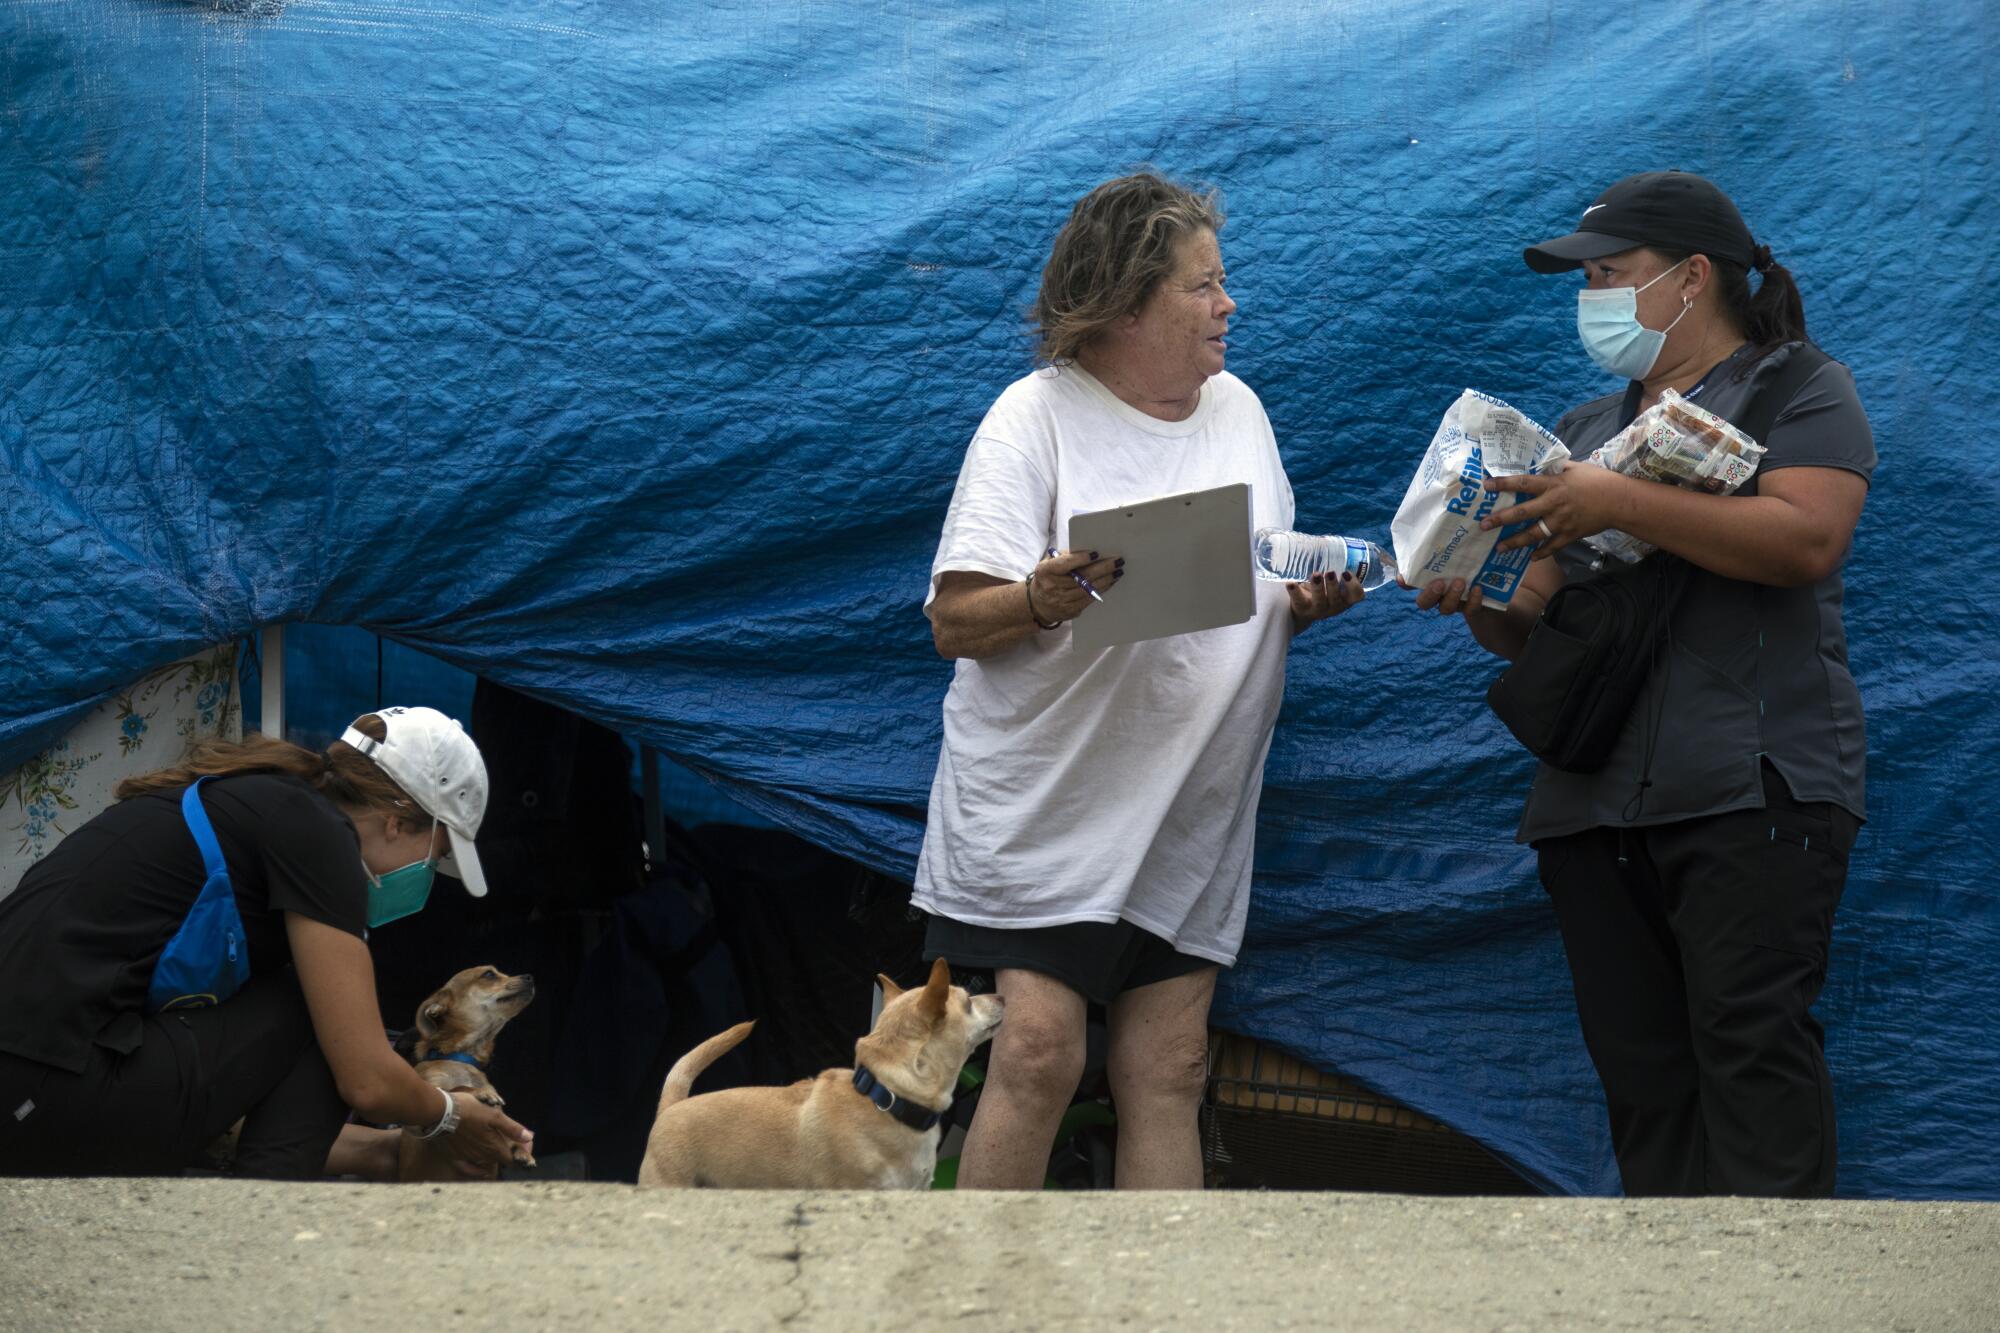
341,773
1768,318
1772,316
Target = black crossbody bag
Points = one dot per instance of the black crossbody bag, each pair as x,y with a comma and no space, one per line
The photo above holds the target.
1592,649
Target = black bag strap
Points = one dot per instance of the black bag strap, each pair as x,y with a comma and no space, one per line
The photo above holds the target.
1771,397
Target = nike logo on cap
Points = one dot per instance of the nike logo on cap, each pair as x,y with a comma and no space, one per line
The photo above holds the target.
1588,211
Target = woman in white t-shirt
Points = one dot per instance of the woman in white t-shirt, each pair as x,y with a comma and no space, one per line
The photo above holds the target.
1093,814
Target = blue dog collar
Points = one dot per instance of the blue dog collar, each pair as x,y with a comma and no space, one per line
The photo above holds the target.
906,1112
462,1057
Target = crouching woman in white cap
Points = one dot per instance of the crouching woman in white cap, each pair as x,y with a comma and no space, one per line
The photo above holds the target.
196,955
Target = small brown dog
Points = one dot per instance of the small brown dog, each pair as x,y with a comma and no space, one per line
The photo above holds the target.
870,1127
456,1028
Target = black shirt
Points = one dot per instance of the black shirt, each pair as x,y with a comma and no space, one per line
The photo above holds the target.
79,937
1754,673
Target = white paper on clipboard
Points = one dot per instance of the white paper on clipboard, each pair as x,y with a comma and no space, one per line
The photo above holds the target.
1187,567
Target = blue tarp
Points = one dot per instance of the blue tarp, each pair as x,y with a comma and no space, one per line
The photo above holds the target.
626,354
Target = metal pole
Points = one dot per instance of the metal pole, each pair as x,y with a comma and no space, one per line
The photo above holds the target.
656,821
271,665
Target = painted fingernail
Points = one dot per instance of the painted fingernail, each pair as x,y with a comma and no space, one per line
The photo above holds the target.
1346,577
1093,555
1121,562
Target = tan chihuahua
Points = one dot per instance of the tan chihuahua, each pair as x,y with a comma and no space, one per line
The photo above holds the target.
873,1127
456,1028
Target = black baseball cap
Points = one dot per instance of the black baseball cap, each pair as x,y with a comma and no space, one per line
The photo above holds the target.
1672,209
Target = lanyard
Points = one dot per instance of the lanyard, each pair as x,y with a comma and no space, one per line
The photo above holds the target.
1635,391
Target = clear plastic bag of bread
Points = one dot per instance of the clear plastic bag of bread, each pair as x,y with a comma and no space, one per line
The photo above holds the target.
1679,444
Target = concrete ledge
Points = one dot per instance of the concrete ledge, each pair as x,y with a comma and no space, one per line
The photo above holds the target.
167,1255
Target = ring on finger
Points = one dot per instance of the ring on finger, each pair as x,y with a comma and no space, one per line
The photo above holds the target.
1543,524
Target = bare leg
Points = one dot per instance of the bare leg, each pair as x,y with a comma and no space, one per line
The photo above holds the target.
1036,1064
1158,1067
365,1152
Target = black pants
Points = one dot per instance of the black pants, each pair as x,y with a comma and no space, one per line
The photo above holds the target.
1697,950
196,1073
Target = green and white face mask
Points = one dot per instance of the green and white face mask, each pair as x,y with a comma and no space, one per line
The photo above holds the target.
402,891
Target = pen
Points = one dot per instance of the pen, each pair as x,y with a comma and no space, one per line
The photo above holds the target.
1081,581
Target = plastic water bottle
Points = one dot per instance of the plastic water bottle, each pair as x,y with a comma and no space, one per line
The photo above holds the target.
1284,556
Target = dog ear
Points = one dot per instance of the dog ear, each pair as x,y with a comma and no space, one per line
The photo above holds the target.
890,990
936,991
431,1014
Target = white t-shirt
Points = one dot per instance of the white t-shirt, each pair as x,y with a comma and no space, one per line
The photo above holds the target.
1120,784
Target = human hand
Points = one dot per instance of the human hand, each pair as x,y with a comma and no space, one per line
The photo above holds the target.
1056,596
1563,507
1450,598
1321,596
486,1137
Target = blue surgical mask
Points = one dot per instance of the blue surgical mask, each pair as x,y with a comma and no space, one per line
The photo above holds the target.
402,891
1607,321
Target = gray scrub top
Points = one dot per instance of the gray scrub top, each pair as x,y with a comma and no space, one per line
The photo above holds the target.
1755,672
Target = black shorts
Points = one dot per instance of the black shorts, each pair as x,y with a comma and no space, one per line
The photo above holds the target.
1098,960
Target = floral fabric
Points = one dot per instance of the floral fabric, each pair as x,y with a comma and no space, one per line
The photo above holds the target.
150,726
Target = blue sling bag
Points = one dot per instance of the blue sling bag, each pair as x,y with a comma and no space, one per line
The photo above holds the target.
207,960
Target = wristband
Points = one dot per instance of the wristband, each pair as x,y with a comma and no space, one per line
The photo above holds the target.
446,1122
1028,584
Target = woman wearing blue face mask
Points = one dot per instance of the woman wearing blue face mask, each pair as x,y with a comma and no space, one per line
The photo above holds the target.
1696,872
196,955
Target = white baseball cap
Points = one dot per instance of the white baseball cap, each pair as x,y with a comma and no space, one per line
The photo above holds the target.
431,758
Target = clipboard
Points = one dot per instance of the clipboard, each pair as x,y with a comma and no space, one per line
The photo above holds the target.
1187,567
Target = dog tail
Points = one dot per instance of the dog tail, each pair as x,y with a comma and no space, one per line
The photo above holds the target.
688,1068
